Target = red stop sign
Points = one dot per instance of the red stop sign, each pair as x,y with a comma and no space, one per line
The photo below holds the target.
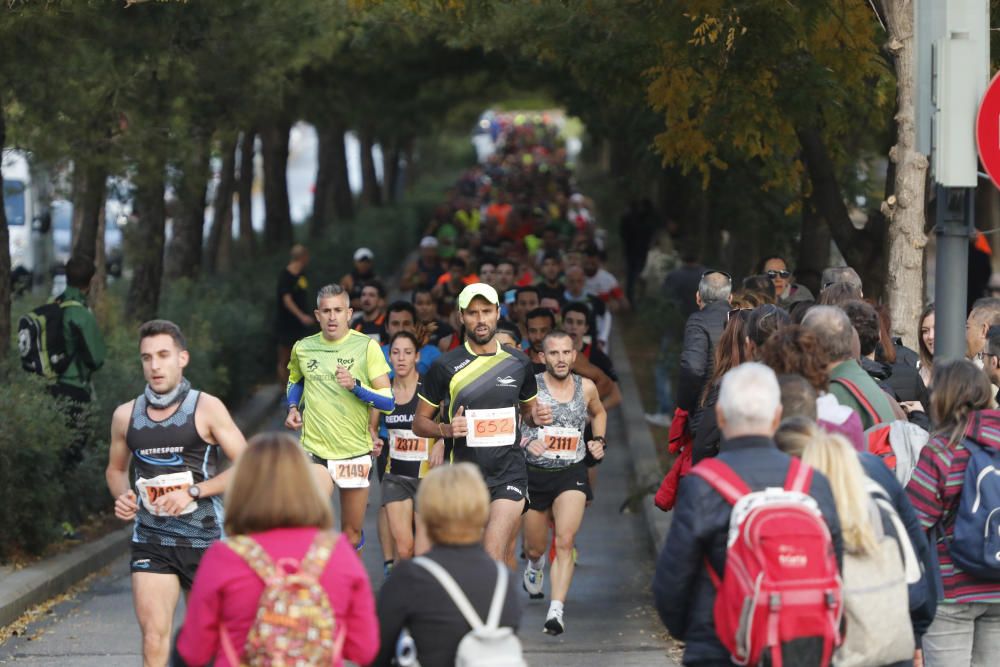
988,130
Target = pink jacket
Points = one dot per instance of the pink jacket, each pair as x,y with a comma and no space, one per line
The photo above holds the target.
226,591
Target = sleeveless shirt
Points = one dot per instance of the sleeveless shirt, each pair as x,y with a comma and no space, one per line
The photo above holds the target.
572,415
399,423
166,455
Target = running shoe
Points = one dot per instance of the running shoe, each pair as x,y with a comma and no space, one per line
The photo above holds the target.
554,622
532,582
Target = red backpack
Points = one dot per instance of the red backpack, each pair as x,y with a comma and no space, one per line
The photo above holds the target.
781,581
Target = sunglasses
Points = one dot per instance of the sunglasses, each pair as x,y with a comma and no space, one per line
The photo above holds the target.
711,271
772,274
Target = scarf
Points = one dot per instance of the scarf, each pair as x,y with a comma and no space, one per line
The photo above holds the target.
175,395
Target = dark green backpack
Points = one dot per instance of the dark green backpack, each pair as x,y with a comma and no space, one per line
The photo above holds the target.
41,342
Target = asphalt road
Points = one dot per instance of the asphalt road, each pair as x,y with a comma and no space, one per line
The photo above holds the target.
609,617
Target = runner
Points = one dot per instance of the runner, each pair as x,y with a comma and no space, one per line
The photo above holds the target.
371,320
557,476
338,374
483,383
409,456
174,433
539,323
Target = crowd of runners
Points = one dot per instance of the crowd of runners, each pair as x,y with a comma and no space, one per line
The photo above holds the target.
834,494
494,355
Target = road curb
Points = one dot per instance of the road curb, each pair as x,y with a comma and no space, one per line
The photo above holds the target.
25,588
646,473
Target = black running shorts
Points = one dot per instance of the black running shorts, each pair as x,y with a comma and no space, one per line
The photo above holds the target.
159,559
546,484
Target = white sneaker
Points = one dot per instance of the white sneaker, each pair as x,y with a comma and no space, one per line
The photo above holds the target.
554,622
532,581
659,419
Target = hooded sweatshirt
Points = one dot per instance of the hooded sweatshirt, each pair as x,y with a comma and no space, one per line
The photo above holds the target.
935,490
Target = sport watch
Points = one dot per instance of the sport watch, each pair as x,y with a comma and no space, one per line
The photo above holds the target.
194,491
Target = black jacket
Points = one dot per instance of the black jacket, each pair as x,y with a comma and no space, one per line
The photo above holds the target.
705,428
701,334
683,593
903,383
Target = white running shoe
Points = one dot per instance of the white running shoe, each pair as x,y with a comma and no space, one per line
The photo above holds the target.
659,419
532,581
554,622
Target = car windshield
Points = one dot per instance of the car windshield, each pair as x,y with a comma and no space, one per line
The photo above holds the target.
13,202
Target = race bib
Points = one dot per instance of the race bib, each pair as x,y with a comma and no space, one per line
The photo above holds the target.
491,428
406,446
161,485
351,473
560,443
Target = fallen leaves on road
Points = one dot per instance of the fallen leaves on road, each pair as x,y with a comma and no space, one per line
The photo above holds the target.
22,625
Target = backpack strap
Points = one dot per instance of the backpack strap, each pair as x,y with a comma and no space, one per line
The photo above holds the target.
722,478
250,551
860,397
454,591
314,562
799,476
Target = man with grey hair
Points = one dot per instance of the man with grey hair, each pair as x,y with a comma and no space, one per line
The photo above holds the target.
840,274
849,383
985,314
701,334
749,411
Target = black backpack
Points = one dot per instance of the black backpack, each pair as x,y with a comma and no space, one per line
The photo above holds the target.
41,342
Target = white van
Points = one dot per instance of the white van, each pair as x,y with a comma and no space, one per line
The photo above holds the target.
27,223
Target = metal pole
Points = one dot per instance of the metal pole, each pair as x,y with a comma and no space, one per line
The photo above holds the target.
955,216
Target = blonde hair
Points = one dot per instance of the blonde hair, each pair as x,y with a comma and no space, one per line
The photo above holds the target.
273,487
454,504
833,456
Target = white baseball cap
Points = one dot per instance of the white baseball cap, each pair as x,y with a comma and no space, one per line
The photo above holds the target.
363,253
428,242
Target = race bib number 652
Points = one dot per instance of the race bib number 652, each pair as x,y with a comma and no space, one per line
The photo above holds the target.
491,428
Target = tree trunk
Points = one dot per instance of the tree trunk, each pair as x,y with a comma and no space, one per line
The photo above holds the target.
862,248
391,156
343,198
323,195
147,247
371,192
4,257
184,256
222,210
814,248
248,239
91,206
904,210
278,222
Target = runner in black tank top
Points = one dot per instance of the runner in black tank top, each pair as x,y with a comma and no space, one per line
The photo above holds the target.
175,437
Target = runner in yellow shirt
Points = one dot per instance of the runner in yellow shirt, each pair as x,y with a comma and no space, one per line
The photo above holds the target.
335,376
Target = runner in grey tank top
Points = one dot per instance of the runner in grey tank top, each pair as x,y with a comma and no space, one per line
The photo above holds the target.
568,423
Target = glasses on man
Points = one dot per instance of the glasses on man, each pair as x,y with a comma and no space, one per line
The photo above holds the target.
772,274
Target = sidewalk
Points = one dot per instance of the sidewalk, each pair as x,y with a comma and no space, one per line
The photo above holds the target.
22,589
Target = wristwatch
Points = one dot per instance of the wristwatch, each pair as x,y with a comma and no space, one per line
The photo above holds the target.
194,491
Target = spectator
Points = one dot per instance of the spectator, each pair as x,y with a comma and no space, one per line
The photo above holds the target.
966,628
762,323
749,411
86,351
731,351
761,287
838,294
926,345
701,334
363,272
985,314
848,381
295,318
453,504
991,357
840,274
275,503
786,289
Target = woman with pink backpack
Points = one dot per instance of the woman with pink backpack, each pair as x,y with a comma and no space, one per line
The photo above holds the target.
282,588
